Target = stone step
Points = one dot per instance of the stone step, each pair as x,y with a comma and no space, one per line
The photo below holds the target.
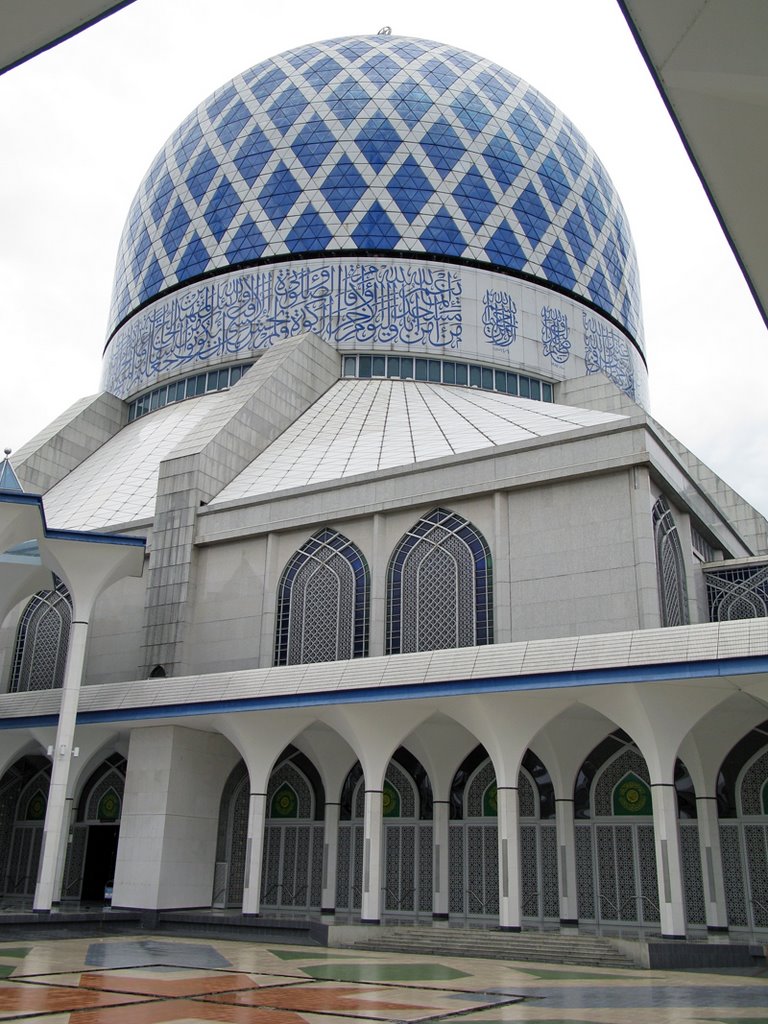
535,948
554,954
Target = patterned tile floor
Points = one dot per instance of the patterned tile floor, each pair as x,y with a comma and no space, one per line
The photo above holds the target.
186,981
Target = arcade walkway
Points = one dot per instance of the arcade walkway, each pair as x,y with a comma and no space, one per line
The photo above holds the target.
130,980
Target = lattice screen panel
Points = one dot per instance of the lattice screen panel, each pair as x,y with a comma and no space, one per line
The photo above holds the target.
585,877
733,875
693,883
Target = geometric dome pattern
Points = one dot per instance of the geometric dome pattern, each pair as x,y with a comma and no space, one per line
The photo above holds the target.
380,145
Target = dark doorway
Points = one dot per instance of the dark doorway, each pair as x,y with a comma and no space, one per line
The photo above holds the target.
100,860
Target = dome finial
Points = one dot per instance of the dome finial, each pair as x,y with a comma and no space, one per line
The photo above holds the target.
8,479
386,31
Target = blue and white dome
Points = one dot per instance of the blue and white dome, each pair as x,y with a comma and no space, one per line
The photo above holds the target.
374,146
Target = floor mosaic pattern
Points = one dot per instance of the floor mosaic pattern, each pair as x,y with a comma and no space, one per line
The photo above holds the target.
187,981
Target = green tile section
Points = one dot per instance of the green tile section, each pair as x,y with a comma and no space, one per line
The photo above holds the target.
321,954
733,1020
6,970
383,972
549,1020
571,975
16,951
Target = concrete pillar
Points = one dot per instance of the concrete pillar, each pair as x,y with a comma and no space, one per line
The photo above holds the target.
330,858
268,602
87,566
378,584
711,864
566,861
509,858
502,588
67,827
670,876
56,828
166,855
440,865
373,832
257,816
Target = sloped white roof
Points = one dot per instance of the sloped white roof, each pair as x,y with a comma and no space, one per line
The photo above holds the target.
361,426
118,483
357,426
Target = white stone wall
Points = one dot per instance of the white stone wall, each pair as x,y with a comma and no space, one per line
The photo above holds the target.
116,633
569,558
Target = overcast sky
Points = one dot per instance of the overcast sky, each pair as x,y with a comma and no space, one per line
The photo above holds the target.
81,123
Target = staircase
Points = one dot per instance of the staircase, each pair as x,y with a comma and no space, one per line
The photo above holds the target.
536,947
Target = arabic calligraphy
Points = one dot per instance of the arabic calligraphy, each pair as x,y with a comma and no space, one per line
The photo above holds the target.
555,333
499,318
605,351
353,304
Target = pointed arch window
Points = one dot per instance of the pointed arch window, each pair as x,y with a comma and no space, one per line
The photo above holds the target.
42,640
670,568
439,587
322,602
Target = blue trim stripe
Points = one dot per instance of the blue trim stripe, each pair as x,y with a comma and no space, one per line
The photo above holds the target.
666,672
78,535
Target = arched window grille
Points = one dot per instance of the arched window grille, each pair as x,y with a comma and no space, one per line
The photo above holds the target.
439,587
42,640
740,593
322,602
670,569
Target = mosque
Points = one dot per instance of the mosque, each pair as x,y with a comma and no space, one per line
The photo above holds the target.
368,585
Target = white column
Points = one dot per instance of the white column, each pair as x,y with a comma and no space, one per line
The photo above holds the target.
330,858
440,866
509,858
373,830
566,861
269,602
56,828
670,877
257,814
711,864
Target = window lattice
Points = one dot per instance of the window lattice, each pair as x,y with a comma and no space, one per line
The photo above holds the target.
439,587
629,760
701,547
733,875
287,774
670,569
476,806
526,795
585,874
756,849
107,777
752,784
740,593
693,885
42,639
322,605
403,785
476,788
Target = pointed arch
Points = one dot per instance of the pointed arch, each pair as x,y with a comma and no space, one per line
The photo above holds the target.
23,795
323,602
742,792
42,641
670,567
439,586
101,800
